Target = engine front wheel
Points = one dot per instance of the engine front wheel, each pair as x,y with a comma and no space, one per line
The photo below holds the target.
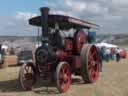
63,77
27,76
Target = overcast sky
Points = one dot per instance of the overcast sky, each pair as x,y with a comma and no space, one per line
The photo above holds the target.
111,15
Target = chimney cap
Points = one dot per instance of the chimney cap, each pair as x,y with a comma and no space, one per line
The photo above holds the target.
45,9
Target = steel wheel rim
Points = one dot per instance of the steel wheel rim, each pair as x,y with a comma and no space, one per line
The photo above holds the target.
65,77
93,63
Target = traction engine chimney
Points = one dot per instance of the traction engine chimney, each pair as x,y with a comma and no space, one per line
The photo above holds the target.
44,23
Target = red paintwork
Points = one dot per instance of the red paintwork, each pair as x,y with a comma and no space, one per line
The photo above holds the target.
123,53
68,44
76,62
67,55
81,38
63,56
65,77
93,64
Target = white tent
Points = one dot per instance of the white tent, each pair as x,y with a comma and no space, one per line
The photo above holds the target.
5,47
107,45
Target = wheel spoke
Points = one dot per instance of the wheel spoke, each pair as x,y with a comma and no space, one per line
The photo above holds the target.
63,71
64,77
61,76
92,73
94,54
89,65
66,71
26,69
93,63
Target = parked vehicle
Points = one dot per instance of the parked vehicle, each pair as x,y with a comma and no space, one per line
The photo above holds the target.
59,57
23,56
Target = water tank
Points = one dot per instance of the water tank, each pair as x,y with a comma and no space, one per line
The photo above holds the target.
92,37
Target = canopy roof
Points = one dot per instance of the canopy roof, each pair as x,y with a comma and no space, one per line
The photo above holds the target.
107,45
65,22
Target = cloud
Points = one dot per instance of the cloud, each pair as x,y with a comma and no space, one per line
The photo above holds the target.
85,6
18,25
111,15
120,2
24,15
11,23
77,5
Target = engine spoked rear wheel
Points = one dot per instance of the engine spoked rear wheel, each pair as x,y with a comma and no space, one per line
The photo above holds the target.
27,76
89,63
63,77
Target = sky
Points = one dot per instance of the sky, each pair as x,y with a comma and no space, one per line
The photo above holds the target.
111,15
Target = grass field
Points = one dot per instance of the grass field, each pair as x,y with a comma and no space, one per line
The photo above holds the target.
113,81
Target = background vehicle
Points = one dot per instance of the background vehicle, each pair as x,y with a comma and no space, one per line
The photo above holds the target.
23,56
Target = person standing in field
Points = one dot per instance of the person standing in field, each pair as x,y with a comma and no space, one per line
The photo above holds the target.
117,54
1,55
100,53
107,54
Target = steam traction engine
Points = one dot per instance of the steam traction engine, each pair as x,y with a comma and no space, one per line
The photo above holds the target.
59,57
